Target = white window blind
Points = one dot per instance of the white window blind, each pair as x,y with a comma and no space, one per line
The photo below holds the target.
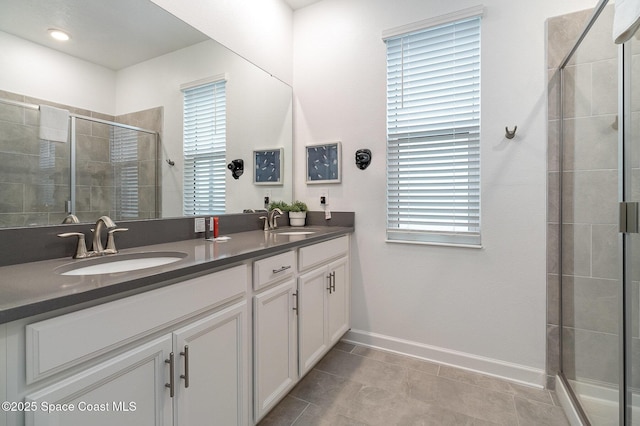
124,158
204,148
433,134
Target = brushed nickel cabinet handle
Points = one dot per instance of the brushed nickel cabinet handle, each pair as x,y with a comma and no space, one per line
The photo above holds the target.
185,376
171,385
282,269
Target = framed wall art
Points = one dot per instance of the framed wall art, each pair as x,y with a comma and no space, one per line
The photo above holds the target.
267,166
324,163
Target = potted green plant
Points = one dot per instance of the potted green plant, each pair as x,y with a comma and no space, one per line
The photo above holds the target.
282,205
297,213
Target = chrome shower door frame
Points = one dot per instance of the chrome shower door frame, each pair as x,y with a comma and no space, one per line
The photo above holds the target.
624,240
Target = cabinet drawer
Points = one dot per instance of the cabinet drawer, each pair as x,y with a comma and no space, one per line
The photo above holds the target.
320,253
58,343
273,269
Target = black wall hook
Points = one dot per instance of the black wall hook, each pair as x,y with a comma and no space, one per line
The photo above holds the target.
510,134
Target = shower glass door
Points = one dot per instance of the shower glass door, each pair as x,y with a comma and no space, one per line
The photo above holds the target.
632,244
591,241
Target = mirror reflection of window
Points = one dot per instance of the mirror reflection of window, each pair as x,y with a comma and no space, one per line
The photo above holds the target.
204,147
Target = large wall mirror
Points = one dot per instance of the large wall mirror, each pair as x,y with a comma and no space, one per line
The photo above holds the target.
127,62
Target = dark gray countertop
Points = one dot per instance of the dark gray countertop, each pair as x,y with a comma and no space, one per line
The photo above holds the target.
33,288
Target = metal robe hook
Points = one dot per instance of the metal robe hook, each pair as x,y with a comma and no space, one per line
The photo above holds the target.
510,134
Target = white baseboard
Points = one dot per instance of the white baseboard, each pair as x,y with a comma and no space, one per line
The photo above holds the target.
489,366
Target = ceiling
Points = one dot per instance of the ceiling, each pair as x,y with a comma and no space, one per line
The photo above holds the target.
100,33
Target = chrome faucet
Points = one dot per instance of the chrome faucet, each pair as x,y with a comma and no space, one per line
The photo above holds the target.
270,220
102,222
98,249
273,217
81,246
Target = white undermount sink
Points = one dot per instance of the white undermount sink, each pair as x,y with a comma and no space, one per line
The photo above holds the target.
111,264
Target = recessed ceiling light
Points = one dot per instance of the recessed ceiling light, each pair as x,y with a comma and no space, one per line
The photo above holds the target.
59,35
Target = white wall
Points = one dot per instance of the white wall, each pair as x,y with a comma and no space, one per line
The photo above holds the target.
258,109
258,116
481,309
33,70
259,30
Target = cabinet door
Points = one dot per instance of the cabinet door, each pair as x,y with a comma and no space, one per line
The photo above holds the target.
339,300
211,371
128,390
312,335
275,345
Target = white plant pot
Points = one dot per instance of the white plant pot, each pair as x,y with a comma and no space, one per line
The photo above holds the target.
297,218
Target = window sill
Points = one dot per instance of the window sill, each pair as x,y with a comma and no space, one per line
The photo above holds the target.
428,243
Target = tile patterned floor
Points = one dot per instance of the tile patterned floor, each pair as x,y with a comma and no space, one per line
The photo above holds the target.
354,385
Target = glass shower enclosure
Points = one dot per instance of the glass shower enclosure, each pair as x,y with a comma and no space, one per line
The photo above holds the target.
104,168
599,243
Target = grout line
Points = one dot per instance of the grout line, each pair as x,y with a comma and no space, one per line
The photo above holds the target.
302,412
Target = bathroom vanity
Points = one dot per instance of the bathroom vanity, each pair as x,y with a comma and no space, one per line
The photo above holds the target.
222,333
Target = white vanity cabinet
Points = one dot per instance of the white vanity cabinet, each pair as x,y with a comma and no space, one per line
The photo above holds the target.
217,349
297,317
127,390
177,355
208,384
211,385
275,361
324,299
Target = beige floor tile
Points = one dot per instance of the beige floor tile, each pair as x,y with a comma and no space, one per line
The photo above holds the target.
318,416
401,360
496,384
364,370
533,413
473,401
325,390
357,386
285,413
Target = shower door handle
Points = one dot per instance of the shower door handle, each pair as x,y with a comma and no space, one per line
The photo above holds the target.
629,217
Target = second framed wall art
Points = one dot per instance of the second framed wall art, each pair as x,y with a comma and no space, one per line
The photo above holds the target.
324,163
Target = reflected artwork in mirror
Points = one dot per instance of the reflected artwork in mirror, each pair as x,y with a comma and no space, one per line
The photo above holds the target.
96,75
268,167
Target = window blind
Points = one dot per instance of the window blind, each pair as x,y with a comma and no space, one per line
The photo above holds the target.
124,158
204,148
433,134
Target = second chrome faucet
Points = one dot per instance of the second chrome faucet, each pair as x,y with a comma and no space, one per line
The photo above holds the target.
271,219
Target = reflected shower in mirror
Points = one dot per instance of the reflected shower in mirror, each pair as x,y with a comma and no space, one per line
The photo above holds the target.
95,74
100,168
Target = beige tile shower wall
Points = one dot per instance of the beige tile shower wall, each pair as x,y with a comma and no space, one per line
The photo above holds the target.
95,186
590,184
34,174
